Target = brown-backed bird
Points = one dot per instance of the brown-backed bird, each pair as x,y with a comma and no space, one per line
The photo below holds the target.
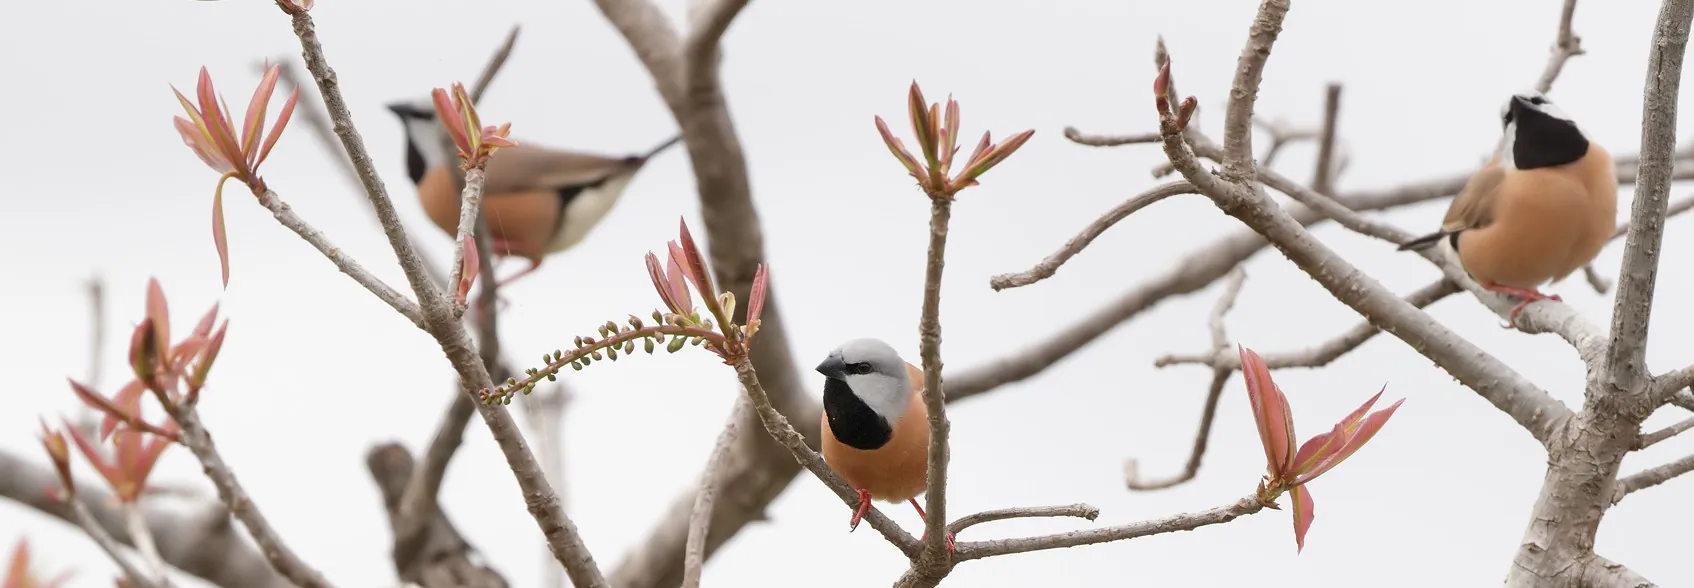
1541,209
538,201
875,424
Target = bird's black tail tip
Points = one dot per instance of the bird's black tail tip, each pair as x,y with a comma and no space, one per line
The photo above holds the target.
1421,242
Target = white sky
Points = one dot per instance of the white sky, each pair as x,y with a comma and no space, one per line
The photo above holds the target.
316,370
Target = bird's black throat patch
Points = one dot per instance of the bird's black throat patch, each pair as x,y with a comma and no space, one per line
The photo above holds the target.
414,161
1545,141
852,421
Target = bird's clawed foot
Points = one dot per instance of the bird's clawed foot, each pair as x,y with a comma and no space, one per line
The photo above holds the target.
925,518
1526,295
864,507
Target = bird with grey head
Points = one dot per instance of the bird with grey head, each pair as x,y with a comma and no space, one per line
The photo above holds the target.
875,424
538,201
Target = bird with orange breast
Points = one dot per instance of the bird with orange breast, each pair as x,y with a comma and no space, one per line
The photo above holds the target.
1540,210
875,424
538,201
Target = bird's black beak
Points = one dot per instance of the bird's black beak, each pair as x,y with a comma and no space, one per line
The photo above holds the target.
1519,105
400,109
833,366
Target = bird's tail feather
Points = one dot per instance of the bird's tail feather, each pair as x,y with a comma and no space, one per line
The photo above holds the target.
1422,242
661,147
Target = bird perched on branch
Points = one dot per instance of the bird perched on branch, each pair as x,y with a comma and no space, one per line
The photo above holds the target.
875,424
1542,208
538,201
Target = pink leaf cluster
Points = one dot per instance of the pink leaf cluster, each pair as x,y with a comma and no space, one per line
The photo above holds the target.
18,574
174,374
938,138
475,142
210,134
685,265
1288,468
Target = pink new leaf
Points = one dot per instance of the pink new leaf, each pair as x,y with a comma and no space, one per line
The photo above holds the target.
918,111
1356,437
1302,515
697,264
467,270
1322,446
661,282
898,148
756,306
1270,413
678,286
158,309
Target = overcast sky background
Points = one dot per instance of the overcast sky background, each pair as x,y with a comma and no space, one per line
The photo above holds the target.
316,370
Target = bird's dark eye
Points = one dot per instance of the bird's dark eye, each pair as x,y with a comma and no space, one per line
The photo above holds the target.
859,368
1537,100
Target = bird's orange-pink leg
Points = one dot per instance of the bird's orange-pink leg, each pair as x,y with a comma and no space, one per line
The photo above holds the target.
1526,295
864,507
925,517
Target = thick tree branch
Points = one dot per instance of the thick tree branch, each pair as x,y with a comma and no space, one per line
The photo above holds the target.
440,558
204,545
1599,572
562,537
1626,354
935,560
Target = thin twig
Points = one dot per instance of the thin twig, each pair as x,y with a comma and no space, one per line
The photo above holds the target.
136,521
235,498
285,215
1323,173
495,63
1281,135
700,521
1220,344
1565,46
1320,355
1182,522
1051,264
1079,510
85,519
1652,477
777,426
1656,437
1109,140
470,207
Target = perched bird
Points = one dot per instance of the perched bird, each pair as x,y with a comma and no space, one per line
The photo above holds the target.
538,201
1540,209
875,424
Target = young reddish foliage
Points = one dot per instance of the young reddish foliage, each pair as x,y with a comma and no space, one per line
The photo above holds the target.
212,137
18,574
475,142
1288,469
937,134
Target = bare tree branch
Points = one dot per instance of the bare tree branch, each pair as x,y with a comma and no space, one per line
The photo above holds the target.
1599,572
1109,140
1565,46
1183,522
109,545
1081,511
1652,477
285,214
1656,437
561,533
1051,264
1323,173
699,523
1322,354
440,558
495,63
544,412
1220,344
1625,365
235,498
935,562
204,544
